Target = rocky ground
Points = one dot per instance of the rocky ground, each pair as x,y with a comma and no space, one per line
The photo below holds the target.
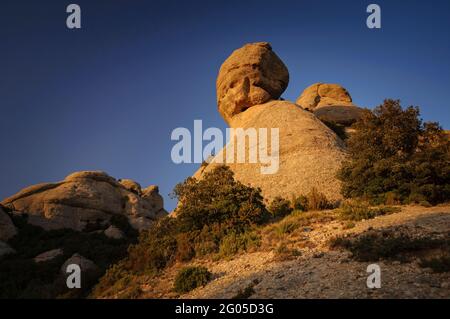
319,272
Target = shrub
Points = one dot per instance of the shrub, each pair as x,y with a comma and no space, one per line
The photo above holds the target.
356,210
387,245
280,207
218,199
185,247
286,226
439,264
317,200
393,155
233,243
392,198
190,278
246,293
210,209
300,203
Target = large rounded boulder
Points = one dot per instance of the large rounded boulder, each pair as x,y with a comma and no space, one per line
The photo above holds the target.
309,153
252,75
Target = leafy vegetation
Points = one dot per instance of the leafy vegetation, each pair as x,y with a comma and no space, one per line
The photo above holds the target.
357,210
280,207
190,278
215,216
438,264
317,200
247,292
374,246
395,157
234,243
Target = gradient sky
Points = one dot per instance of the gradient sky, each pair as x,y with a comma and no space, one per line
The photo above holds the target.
108,96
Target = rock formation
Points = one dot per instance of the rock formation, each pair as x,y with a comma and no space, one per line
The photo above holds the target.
330,103
249,83
7,228
86,265
5,249
87,198
252,75
48,255
114,232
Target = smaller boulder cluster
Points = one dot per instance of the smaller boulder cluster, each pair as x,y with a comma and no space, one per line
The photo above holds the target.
330,103
85,200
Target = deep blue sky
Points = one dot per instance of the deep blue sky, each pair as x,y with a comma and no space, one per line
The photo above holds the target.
108,96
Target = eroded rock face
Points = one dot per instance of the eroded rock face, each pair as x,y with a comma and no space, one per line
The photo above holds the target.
86,265
7,228
5,249
330,103
252,75
343,115
85,198
48,255
309,153
249,83
114,232
324,94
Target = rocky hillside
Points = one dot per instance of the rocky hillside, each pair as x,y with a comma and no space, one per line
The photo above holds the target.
249,85
89,219
300,261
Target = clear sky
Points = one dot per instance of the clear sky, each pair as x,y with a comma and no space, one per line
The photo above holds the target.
107,96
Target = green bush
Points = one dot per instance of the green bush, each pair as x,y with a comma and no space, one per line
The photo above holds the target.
387,245
395,157
356,210
317,200
190,278
246,293
233,243
218,199
300,203
210,209
439,264
287,226
280,207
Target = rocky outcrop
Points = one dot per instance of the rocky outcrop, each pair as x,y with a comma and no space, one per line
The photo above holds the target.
114,233
48,255
309,152
324,94
7,228
330,103
87,266
252,75
86,198
5,249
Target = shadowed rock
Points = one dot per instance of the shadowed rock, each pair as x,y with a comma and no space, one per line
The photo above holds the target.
330,103
7,228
